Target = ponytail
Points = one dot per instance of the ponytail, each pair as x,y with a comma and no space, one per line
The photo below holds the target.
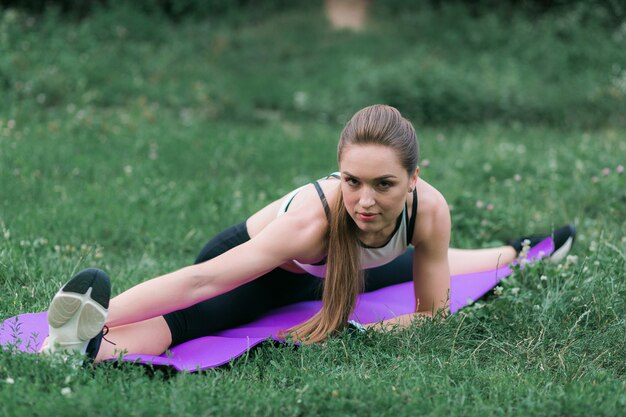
344,279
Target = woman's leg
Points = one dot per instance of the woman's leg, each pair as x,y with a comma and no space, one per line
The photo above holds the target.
150,337
236,307
461,261
242,305
154,336
467,261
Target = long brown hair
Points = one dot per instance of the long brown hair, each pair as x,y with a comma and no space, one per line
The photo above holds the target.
379,125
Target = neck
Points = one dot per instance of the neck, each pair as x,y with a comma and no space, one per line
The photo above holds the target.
377,238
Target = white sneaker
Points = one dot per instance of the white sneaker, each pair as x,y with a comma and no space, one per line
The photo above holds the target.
78,312
563,240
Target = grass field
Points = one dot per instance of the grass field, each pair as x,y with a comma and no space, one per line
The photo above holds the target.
127,141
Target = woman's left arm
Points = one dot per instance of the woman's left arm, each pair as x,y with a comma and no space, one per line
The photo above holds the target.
431,270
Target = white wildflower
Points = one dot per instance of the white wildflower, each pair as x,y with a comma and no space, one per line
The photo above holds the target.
300,99
9,380
543,278
524,252
514,291
498,290
153,154
40,241
66,391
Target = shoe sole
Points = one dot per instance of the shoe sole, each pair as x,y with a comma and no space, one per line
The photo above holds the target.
559,254
78,311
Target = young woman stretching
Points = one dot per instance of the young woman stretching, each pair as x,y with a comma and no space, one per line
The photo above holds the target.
375,223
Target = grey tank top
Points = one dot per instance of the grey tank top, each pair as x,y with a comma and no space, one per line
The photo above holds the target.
371,257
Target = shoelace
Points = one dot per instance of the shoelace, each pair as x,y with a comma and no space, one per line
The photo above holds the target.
105,331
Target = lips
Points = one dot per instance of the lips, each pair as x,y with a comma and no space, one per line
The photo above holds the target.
366,216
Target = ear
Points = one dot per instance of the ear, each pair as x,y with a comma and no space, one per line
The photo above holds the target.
413,179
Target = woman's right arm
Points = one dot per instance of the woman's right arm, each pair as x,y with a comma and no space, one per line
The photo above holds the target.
286,238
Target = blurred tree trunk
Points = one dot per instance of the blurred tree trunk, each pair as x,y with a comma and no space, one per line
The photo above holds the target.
347,14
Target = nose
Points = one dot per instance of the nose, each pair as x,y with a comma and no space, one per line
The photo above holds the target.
366,199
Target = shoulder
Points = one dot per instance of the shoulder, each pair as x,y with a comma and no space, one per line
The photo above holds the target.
301,232
432,223
305,208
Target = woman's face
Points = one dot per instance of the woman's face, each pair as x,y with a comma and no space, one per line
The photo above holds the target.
374,186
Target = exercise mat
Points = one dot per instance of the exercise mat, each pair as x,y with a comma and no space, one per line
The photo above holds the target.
26,332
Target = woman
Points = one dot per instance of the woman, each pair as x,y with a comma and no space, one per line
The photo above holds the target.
352,228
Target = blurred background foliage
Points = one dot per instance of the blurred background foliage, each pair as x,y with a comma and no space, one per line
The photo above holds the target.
551,63
608,11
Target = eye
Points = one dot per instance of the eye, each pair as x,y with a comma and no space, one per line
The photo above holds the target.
385,185
352,182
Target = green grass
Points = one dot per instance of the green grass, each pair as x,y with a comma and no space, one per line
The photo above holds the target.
127,141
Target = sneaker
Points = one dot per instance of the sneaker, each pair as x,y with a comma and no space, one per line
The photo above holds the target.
354,327
77,314
563,238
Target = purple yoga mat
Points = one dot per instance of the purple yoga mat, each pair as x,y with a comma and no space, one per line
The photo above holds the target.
26,332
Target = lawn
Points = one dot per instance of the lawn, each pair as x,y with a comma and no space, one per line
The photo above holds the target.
127,140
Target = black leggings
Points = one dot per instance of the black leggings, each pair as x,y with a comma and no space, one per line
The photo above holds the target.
274,289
